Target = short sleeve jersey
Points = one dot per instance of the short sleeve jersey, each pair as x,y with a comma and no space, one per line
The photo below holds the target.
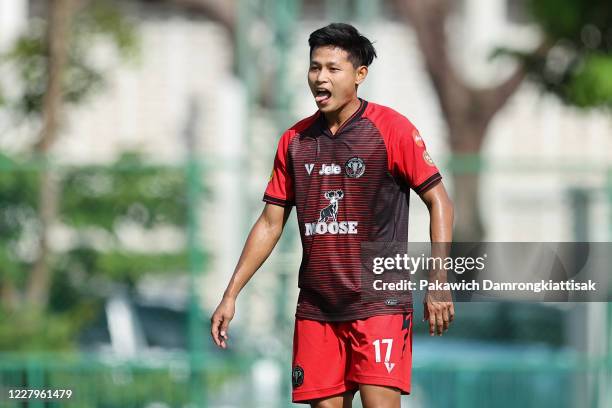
349,187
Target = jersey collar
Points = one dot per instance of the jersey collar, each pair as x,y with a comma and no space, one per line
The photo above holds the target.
347,124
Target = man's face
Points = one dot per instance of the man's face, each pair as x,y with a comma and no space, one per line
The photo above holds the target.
332,78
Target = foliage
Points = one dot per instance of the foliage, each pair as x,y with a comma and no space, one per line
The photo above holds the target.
97,20
592,82
18,203
579,66
34,330
156,192
129,191
569,18
96,203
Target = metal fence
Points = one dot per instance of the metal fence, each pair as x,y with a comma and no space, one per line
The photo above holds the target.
178,381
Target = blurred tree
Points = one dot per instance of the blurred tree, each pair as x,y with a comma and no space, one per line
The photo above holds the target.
95,205
57,40
467,111
221,11
52,61
576,27
91,22
578,67
53,67
268,19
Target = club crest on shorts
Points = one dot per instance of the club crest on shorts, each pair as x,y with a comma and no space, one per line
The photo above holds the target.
297,376
354,167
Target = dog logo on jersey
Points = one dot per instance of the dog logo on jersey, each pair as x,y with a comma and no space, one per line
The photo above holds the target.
328,218
297,376
418,140
331,211
354,167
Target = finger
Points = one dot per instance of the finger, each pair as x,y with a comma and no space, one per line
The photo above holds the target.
224,332
224,328
445,318
214,330
439,322
432,324
425,312
451,309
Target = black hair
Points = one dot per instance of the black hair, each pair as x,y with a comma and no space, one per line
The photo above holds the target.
360,50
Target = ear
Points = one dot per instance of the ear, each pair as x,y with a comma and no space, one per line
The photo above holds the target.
360,74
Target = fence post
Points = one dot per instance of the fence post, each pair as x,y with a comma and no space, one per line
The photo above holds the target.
463,390
285,14
580,209
35,381
193,170
609,194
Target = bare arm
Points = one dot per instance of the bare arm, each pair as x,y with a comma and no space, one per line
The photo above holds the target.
439,309
441,213
259,245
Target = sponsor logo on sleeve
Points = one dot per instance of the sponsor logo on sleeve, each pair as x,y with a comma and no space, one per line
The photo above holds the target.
418,140
427,158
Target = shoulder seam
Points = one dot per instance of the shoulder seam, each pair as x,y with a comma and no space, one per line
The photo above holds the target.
303,124
380,133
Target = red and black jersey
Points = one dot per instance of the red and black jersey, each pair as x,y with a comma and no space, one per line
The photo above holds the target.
348,188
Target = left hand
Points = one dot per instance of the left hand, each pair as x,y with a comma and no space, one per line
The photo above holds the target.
439,310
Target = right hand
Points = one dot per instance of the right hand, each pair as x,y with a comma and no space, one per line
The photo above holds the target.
219,322
439,311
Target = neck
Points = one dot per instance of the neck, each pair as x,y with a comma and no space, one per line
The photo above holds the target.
337,118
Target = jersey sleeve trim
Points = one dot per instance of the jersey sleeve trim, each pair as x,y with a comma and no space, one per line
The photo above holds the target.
278,201
427,184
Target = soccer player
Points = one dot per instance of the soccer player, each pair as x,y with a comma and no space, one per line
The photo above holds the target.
348,169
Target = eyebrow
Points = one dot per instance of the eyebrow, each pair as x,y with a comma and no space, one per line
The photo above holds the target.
328,64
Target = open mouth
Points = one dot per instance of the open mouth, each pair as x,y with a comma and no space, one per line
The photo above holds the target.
322,95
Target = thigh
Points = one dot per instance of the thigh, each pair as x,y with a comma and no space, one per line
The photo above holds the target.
344,400
319,361
379,396
381,351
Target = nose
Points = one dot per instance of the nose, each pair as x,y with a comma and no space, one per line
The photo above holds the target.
321,77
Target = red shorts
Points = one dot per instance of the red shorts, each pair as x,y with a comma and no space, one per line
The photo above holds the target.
330,358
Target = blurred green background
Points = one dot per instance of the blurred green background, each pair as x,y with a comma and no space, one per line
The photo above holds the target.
136,139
